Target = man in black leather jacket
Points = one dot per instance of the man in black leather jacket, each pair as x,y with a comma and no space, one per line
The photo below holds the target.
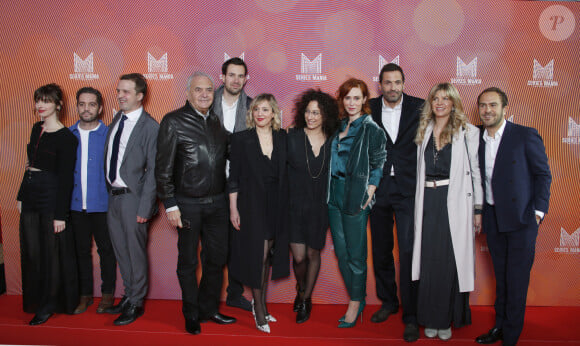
190,174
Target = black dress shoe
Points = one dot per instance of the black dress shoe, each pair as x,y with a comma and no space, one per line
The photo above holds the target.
39,319
494,335
220,319
240,302
192,326
411,333
382,315
117,309
129,315
304,311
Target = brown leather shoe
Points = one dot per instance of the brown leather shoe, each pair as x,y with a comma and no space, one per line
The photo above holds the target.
106,302
85,302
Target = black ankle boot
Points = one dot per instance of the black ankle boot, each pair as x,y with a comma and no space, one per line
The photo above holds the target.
304,311
299,297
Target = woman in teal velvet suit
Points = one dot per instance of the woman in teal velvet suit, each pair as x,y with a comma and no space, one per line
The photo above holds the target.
356,168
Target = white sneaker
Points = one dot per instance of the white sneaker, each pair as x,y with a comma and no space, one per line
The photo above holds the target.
430,332
444,334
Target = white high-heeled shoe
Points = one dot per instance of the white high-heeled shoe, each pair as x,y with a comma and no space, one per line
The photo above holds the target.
271,318
261,327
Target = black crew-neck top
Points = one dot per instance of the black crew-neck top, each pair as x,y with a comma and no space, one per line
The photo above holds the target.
54,152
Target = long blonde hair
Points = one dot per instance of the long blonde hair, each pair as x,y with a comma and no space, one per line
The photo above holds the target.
456,121
276,122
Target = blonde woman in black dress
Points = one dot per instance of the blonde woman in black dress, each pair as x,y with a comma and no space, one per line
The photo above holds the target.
258,191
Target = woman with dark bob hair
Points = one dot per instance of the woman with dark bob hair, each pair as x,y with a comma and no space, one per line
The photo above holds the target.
47,249
315,121
258,191
356,167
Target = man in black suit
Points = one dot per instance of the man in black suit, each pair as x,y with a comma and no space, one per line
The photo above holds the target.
398,115
190,168
516,181
231,106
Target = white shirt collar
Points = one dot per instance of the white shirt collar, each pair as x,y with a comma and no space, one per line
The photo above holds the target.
398,107
498,133
134,115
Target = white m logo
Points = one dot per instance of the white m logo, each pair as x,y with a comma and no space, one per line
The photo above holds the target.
573,128
383,62
155,65
227,57
469,70
569,240
313,66
543,72
83,66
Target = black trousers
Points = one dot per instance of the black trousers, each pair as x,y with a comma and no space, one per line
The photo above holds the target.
208,221
48,260
235,288
512,254
381,220
86,226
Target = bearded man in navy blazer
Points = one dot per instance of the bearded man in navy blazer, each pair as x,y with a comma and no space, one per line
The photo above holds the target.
398,115
516,180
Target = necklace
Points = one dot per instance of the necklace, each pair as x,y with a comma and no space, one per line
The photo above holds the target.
435,151
308,161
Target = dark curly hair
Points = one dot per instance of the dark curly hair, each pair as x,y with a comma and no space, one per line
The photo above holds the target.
328,109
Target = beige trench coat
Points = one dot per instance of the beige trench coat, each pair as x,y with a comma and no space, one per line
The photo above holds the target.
465,191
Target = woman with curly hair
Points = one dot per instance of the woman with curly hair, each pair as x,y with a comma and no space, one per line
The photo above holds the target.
448,202
315,121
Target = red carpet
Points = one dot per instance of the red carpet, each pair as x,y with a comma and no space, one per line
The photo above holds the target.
163,324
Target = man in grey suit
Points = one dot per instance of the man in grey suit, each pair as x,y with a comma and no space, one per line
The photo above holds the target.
130,166
231,106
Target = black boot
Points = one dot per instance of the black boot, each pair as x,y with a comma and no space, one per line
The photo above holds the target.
304,311
299,297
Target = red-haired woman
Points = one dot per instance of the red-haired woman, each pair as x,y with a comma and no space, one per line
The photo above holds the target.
356,168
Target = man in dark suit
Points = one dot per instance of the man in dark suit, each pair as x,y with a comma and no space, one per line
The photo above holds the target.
231,106
191,182
398,115
130,163
516,180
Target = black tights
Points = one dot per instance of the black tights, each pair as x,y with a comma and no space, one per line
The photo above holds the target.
306,267
259,294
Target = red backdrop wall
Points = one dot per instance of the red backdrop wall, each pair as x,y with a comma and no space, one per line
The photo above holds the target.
530,49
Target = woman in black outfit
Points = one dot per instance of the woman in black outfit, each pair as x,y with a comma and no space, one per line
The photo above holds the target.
315,121
49,273
258,200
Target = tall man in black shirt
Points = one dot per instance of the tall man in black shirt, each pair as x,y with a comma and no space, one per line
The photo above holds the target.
398,114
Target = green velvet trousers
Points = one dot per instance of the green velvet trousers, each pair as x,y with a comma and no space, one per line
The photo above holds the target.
349,235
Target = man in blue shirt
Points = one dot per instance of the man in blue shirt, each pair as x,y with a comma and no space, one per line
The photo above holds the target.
90,201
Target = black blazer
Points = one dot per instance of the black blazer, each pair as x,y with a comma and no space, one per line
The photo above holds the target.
521,177
402,154
246,178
